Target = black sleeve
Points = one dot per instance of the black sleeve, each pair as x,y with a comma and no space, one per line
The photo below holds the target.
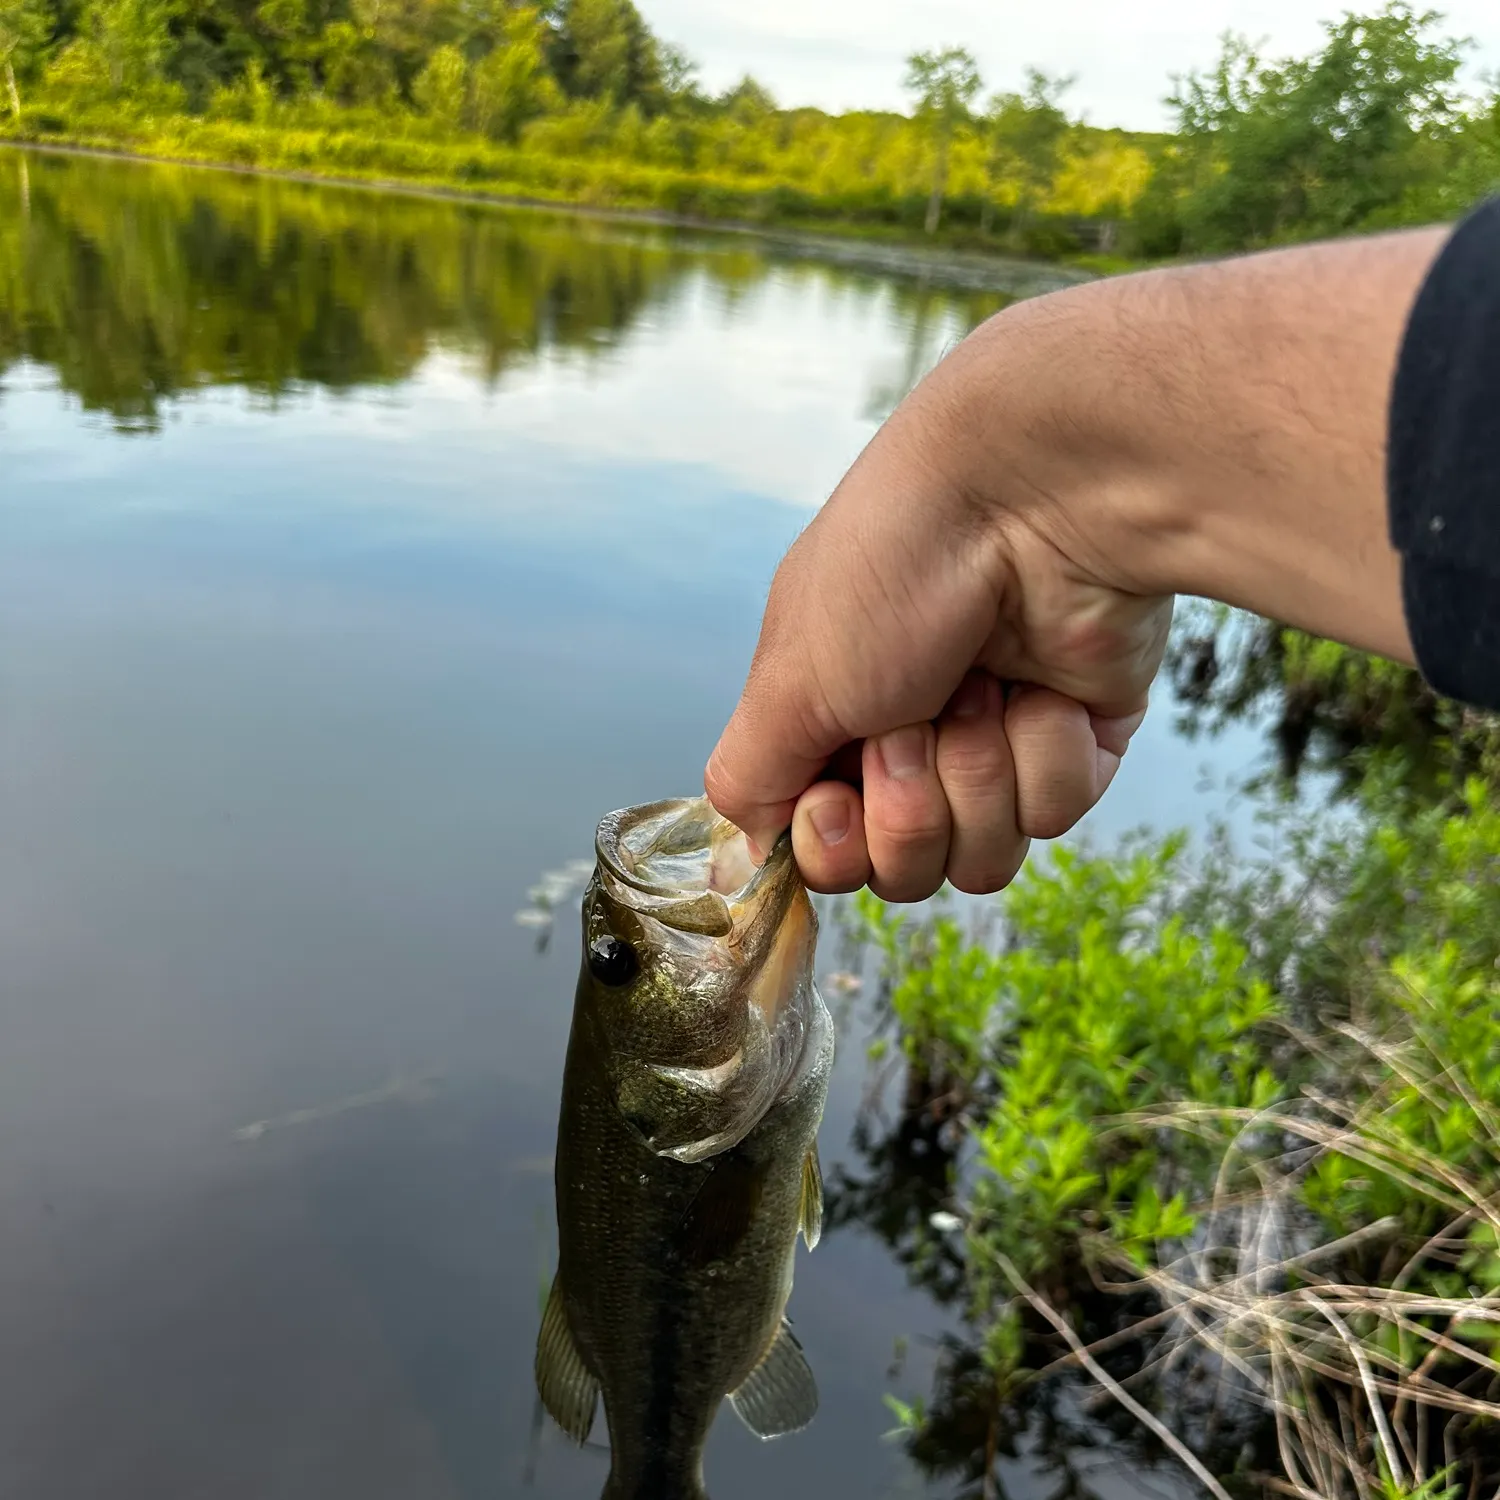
1444,465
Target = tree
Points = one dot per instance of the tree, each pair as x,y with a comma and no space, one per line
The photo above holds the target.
679,75
943,85
1314,146
441,88
25,30
132,40
748,100
604,50
355,69
1026,134
511,83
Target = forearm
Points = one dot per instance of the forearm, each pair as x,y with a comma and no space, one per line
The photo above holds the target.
1216,430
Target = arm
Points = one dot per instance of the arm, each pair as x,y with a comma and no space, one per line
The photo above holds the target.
1026,516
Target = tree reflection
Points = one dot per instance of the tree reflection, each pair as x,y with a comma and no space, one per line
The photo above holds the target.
138,284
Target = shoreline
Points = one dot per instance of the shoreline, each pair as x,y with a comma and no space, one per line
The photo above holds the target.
967,270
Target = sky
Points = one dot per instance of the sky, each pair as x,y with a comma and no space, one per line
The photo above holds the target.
849,54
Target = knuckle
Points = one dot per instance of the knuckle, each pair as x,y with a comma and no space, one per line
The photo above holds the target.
973,764
915,831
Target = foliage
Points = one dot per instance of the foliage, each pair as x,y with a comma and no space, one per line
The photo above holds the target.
1333,712
943,85
1027,132
595,107
441,89
25,30
591,105
1202,1075
1306,147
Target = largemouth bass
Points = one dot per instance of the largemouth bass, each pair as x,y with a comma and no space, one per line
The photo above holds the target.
696,1075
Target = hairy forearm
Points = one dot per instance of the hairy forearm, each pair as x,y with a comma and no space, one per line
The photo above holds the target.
1216,429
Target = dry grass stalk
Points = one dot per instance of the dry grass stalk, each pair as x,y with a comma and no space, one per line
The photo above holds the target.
1351,1372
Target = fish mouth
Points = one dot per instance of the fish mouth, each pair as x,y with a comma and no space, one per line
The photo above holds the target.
682,863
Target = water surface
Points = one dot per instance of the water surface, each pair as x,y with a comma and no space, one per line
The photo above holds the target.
357,552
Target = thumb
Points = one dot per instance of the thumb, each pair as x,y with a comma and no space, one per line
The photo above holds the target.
781,735
843,654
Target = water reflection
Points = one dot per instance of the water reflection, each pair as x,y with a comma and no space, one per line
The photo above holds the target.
139,284
407,538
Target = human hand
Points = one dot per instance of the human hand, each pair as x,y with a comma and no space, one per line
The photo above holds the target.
955,640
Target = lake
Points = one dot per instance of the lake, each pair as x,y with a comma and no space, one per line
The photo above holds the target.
357,553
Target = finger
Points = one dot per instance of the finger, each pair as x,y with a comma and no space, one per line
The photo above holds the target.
1060,769
828,838
978,777
906,814
1112,736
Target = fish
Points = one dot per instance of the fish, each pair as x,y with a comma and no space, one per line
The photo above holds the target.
694,1084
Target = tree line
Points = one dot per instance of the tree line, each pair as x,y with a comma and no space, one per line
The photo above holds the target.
1372,128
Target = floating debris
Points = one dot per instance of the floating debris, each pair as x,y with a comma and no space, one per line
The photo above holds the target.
409,1089
944,1222
556,890
842,982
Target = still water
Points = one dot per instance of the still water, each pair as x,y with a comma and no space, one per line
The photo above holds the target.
357,552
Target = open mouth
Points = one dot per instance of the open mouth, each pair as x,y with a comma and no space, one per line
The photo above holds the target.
679,847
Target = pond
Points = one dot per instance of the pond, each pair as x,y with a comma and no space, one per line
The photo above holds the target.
357,553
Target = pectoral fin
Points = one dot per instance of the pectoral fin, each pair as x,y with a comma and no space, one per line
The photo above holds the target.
780,1395
812,1198
568,1390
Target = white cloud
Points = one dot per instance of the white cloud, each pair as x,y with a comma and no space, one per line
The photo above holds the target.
844,54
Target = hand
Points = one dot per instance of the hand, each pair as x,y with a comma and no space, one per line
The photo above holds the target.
974,662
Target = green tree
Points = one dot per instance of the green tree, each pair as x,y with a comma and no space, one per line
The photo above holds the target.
604,50
1026,135
132,40
441,88
403,33
1318,145
354,68
25,30
943,85
749,100
679,75
511,83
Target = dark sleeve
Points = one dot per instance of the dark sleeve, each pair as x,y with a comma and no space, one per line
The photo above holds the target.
1444,465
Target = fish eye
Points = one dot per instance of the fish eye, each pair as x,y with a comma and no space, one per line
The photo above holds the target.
612,961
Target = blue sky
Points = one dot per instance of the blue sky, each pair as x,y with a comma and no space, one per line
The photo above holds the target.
844,54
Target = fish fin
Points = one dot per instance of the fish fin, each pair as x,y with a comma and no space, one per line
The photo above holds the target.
568,1389
722,1210
780,1394
812,1198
